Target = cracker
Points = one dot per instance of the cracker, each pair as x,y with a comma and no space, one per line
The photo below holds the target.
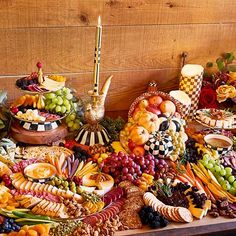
185,214
130,219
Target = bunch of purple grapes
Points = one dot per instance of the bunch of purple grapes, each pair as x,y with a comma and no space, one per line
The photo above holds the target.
129,167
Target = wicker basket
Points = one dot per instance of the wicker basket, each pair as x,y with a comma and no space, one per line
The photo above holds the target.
152,90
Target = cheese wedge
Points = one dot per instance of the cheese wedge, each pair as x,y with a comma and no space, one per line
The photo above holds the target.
28,185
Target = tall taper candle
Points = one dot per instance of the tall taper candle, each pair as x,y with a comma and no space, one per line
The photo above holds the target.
97,56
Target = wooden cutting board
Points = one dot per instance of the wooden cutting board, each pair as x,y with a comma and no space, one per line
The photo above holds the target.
37,137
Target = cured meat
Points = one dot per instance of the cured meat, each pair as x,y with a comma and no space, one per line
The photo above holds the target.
113,195
109,212
44,195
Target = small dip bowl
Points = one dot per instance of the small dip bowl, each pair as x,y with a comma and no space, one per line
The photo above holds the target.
40,172
218,142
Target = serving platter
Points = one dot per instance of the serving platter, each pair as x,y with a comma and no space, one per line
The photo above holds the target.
202,111
39,122
44,91
211,127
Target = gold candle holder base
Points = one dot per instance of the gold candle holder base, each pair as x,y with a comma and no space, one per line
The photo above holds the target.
94,133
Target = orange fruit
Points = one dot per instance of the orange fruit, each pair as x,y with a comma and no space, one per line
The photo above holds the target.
22,232
39,228
31,232
13,234
168,106
139,151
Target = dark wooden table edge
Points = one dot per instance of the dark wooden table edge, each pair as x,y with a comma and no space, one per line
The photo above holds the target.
223,228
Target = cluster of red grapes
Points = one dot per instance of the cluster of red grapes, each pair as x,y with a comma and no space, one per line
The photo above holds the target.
20,166
7,180
129,167
77,180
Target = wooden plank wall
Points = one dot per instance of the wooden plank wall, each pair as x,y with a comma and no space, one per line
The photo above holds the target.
142,40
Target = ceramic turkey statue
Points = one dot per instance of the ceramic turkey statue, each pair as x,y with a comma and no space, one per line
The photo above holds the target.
93,133
154,125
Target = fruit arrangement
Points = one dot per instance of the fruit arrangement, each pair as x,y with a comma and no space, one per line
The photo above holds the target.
155,126
152,173
41,108
37,83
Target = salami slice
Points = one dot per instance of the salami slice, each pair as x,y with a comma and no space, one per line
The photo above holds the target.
105,214
91,220
113,195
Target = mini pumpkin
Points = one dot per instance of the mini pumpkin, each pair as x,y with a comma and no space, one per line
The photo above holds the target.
169,124
159,144
139,135
149,121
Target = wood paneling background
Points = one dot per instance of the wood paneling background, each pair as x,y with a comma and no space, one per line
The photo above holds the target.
142,40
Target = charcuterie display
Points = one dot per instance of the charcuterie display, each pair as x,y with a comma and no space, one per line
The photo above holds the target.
154,171
66,170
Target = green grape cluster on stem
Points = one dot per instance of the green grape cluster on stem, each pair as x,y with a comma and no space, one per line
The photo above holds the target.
223,174
59,102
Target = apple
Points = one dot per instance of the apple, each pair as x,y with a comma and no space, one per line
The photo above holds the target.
154,110
14,110
155,100
143,104
131,145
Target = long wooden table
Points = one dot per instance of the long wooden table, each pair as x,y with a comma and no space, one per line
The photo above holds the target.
206,226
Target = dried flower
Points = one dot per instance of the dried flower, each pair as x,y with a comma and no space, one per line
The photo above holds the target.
224,92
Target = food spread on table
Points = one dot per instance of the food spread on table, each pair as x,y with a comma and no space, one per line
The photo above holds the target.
112,175
154,171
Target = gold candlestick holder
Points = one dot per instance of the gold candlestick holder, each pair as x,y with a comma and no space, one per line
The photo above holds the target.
92,132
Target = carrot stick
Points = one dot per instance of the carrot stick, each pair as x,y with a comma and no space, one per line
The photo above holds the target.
189,170
182,179
188,178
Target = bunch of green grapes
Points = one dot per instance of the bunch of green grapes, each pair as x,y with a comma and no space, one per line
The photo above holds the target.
223,174
63,184
76,117
73,121
178,143
59,101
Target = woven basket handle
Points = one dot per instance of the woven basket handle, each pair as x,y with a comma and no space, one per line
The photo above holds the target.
152,86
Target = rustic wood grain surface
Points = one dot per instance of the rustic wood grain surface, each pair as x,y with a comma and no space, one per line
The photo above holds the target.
142,40
51,13
207,226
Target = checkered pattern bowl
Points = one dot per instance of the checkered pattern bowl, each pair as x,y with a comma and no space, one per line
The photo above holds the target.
220,149
35,126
